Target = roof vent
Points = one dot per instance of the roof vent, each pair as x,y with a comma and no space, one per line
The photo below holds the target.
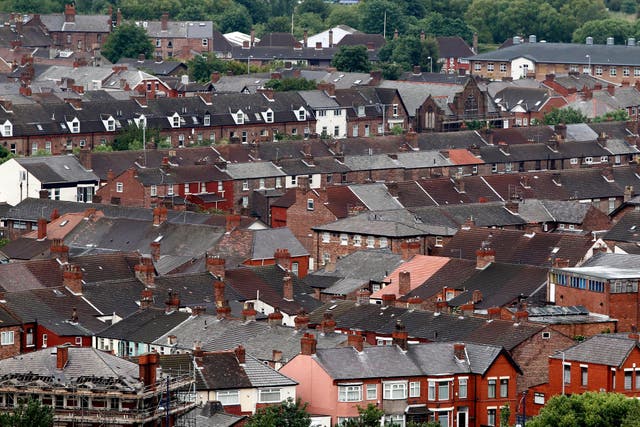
631,41
610,41
589,40
516,40
533,38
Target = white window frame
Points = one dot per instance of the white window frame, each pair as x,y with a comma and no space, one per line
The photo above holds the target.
344,239
228,397
119,187
463,390
326,237
350,393
444,385
263,393
384,242
371,242
372,391
395,390
573,161
6,338
311,204
414,389
357,240
245,185
490,67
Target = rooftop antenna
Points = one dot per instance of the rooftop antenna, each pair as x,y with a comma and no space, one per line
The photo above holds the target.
384,26
292,23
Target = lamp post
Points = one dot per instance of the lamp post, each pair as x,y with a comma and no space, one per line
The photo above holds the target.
589,58
430,64
248,59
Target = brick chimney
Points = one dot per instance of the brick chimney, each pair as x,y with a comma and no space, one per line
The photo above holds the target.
328,325
400,337
476,296
240,354
145,272
148,368
59,250
69,13
628,193
301,320
223,311
283,258
218,292
408,249
493,313
62,356
164,23
305,38
521,316
411,139
55,214
155,251
329,88
404,282
74,315
634,333
42,228
308,344
287,287
414,303
561,131
216,265
363,295
249,313
172,303
146,298
467,309
607,173
388,300
560,262
215,77
232,221
376,77
484,257
198,310
72,278
159,215
275,318
458,351
356,341
442,307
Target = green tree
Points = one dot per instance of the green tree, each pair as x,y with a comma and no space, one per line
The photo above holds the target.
391,71
312,22
505,414
438,25
290,83
372,13
235,18
369,417
201,66
482,15
259,9
564,115
343,14
619,29
127,41
318,7
352,59
5,154
31,414
589,410
131,138
613,116
409,51
287,414
278,24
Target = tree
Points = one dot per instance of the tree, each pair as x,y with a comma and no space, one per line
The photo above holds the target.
352,59
31,414
318,7
438,25
290,83
600,30
369,417
372,13
127,41
589,410
342,14
201,67
278,24
287,414
235,19
131,138
564,115
613,116
409,51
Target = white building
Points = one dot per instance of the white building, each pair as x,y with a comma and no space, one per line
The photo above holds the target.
63,177
331,119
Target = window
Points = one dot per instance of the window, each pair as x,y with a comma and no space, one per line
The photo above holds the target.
588,160
573,68
636,71
494,167
604,159
111,125
245,185
119,187
245,201
371,241
47,147
491,417
354,132
278,182
443,390
269,395
613,71
395,419
584,376
337,113
228,397
169,190
240,118
395,390
491,389
344,239
383,242
503,68
367,130
294,268
326,237
566,374
322,113
6,338
349,393
294,131
431,391
44,340
30,342
574,161
294,180
598,70
302,115
78,340
261,182
336,131
626,71
504,387
310,204
477,66
438,241
205,42
462,388
244,137
357,240
372,391
637,372
395,110
158,43
490,67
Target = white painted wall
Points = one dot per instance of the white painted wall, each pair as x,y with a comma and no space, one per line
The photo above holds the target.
314,182
330,120
248,397
518,66
262,307
13,190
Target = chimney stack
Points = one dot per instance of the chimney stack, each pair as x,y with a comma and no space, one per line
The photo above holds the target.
249,313
301,320
72,278
458,351
404,283
233,221
69,13
411,139
275,318
287,287
493,313
400,337
328,325
363,296
159,215
356,341
283,259
164,25
62,356
60,250
218,292
305,37
628,194
216,265
148,367
223,311
308,344
414,303
240,354
409,249
172,303
155,251
145,272
42,228
522,316
146,298
388,300
484,257
330,38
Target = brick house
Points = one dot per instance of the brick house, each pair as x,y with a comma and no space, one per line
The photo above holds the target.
372,111
527,105
465,382
179,39
452,54
72,32
606,284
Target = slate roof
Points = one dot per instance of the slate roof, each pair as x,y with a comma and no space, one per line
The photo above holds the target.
375,196
570,212
266,241
627,229
608,266
25,249
253,170
484,214
453,47
390,361
564,53
317,99
605,349
527,99
222,370
144,326
82,23
456,270
54,170
377,40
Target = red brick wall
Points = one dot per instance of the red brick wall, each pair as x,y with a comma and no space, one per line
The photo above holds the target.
11,350
303,264
300,219
133,193
500,368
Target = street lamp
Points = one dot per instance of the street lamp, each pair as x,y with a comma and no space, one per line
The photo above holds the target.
248,59
589,58
430,64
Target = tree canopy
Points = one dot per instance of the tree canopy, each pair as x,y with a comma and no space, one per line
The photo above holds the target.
351,59
290,83
589,410
287,414
31,414
127,41
564,115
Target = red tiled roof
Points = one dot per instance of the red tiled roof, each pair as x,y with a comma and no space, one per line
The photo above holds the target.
421,267
340,199
460,156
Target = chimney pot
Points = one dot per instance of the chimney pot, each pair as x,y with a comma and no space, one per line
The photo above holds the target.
301,320
308,344
62,356
216,266
42,228
458,351
400,337
283,258
240,354
356,341
275,318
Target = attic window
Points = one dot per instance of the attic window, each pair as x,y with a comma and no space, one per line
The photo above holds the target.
63,223
157,239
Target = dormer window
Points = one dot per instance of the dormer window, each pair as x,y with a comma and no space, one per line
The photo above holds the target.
360,110
207,120
109,124
141,122
74,125
7,128
268,116
302,114
239,117
174,120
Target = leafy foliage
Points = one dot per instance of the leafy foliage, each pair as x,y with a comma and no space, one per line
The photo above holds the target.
589,410
131,138
127,41
372,13
564,115
287,414
369,417
290,83
409,51
619,29
31,414
351,59
613,116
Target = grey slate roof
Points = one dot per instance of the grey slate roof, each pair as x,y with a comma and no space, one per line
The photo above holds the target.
605,349
82,23
571,212
375,197
627,229
565,53
266,241
57,170
144,326
253,170
317,99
